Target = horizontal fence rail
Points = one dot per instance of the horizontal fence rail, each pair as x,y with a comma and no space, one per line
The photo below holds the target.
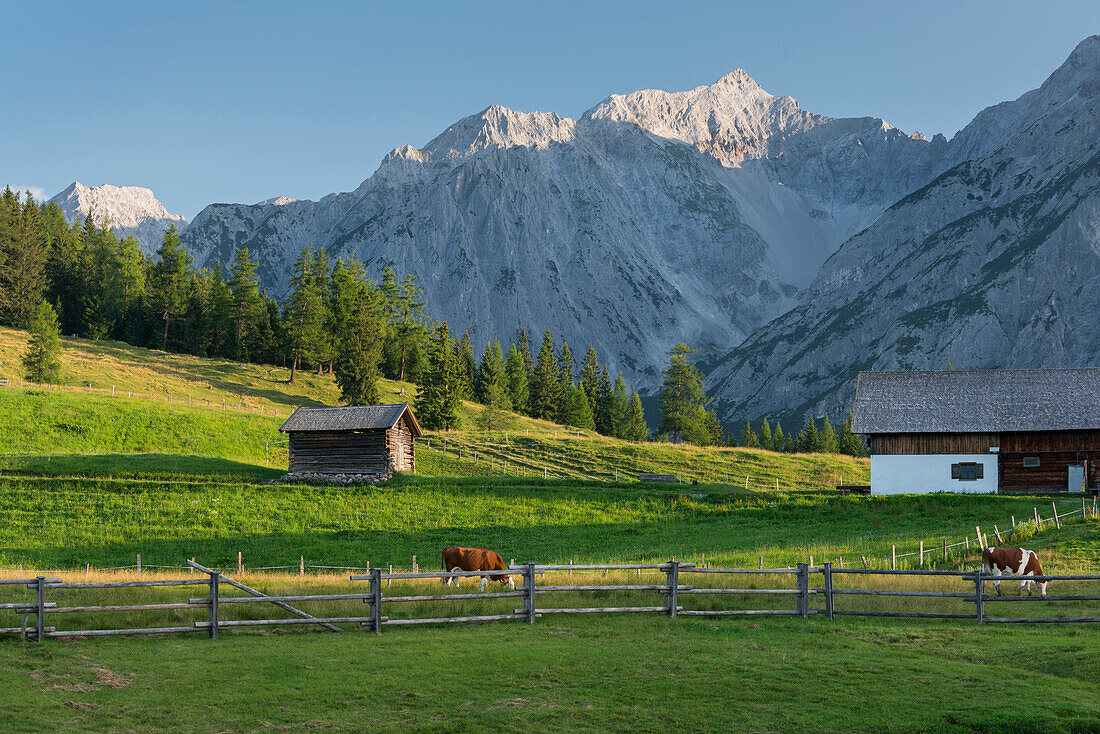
779,584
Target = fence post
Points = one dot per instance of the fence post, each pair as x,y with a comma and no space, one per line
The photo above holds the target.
240,563
215,580
997,532
893,558
301,565
671,598
945,549
40,609
529,588
922,554
1057,523
139,563
1036,511
827,573
979,582
376,599
803,590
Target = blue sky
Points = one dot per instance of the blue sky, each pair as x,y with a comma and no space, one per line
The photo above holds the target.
238,102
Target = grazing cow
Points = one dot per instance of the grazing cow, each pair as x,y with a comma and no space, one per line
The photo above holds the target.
1013,562
474,559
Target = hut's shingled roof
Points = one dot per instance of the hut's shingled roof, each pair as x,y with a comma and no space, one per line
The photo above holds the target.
977,401
351,418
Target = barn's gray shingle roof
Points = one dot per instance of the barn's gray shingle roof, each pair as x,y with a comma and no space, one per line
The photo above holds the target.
977,401
351,418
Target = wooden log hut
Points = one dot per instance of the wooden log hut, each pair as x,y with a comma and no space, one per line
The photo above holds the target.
360,439
981,430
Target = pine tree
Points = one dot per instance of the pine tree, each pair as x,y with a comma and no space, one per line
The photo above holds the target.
779,441
748,437
546,392
24,250
848,442
42,361
467,366
809,441
766,440
525,352
635,428
827,437
515,372
247,304
590,374
715,433
578,413
602,405
306,312
681,394
357,365
440,392
490,373
405,304
171,280
620,407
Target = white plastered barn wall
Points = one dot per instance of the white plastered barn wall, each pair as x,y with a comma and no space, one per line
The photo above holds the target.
927,473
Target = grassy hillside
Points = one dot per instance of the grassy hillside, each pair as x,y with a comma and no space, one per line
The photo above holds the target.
178,410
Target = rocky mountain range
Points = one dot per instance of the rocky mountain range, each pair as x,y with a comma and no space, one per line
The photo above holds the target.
130,210
993,264
652,219
790,248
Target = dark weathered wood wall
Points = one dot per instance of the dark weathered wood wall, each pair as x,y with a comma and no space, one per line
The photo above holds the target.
399,442
932,443
343,452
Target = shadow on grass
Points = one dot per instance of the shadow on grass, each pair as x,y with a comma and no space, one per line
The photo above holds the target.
137,466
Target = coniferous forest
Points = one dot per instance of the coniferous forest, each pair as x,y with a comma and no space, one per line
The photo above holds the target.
337,320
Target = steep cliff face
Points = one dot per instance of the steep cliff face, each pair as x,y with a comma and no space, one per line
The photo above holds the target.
130,210
994,263
654,218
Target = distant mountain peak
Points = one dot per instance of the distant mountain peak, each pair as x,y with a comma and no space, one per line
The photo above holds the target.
129,210
500,127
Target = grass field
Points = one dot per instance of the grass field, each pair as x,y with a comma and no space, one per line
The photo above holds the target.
90,478
591,675
179,413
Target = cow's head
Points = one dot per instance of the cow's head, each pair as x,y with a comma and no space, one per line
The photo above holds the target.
507,580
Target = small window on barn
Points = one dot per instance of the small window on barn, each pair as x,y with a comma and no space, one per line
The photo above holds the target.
967,471
1031,461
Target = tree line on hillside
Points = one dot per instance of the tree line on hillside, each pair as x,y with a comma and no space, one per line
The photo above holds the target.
81,279
549,386
685,417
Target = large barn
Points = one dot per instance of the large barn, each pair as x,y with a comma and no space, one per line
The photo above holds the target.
358,440
981,430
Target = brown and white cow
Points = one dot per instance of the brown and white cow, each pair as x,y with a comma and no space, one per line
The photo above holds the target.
474,559
1013,562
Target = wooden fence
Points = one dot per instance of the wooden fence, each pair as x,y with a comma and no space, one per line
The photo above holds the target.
671,590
